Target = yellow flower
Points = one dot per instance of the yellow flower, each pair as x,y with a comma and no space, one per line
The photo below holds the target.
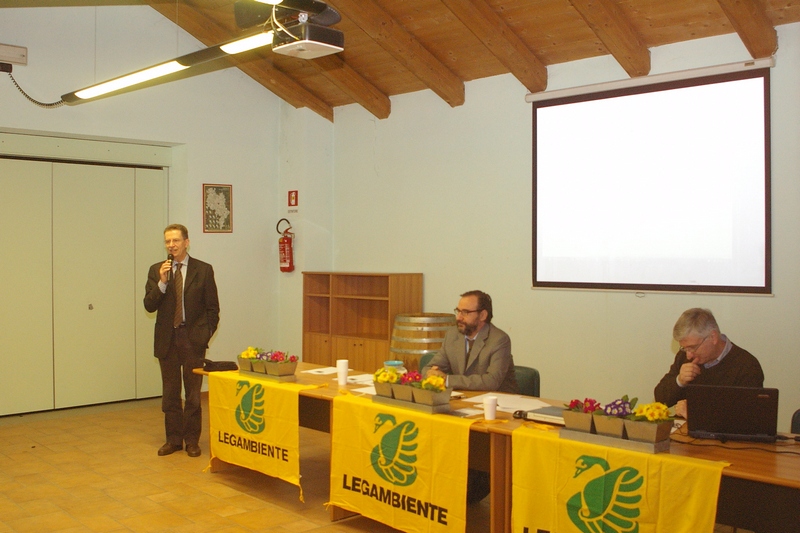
250,353
434,383
653,412
383,375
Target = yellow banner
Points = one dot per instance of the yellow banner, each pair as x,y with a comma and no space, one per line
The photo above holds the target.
254,423
401,467
566,486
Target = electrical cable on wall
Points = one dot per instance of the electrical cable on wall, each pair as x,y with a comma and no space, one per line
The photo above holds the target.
6,67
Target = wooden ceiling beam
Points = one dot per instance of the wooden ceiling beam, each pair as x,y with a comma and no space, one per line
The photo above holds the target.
501,41
351,82
210,33
749,19
406,49
609,23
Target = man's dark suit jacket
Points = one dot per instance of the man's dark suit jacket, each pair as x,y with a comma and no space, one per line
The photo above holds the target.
200,301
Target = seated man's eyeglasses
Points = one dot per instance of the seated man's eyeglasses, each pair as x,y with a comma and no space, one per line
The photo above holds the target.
693,348
465,312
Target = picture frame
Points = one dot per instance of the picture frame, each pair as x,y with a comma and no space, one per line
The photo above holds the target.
217,208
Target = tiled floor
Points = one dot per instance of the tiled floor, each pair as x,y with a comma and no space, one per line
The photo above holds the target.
95,469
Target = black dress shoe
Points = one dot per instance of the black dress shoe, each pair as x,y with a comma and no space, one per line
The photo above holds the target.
193,450
168,448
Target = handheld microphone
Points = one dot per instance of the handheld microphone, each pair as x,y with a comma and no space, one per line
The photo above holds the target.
170,258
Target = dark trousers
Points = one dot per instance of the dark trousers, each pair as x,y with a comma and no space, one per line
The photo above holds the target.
182,420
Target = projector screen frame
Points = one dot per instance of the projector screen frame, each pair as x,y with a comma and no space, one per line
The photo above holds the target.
541,102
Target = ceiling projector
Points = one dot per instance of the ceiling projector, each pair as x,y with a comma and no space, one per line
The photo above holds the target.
300,27
308,41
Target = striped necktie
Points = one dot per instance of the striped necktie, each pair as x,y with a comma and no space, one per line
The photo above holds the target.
178,283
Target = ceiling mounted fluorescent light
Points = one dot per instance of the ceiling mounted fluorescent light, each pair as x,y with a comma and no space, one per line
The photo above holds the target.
189,60
248,43
306,37
131,79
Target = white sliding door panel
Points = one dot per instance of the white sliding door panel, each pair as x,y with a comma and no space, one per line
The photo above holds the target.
93,293
151,219
26,344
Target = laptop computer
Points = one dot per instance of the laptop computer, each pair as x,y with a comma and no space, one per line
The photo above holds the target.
732,413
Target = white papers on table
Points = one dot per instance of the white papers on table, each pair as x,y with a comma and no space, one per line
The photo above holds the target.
510,402
325,370
359,379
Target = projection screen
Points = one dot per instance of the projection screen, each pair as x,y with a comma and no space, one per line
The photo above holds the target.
660,187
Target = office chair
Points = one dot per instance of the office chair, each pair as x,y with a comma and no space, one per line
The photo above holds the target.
527,379
424,360
796,422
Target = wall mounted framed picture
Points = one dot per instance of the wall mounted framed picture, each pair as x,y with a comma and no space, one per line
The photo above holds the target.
217,208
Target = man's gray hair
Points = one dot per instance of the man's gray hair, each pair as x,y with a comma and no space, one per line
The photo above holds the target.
699,321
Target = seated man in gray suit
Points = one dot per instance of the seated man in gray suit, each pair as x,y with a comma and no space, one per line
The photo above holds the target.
475,355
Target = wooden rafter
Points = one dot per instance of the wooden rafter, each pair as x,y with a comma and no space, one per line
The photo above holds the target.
495,34
407,50
351,82
608,22
750,20
210,33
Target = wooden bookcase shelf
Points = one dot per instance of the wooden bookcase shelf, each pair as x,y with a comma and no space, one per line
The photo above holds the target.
351,315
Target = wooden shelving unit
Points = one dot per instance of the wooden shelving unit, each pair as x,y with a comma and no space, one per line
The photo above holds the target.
351,315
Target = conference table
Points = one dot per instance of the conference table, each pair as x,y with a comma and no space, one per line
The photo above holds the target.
759,491
488,451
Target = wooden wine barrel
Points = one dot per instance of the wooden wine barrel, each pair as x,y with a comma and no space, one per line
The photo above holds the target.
415,335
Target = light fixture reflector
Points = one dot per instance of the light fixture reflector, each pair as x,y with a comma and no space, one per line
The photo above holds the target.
131,79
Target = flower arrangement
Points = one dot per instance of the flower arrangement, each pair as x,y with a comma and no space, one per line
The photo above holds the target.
276,356
433,383
413,378
655,412
620,408
588,405
386,375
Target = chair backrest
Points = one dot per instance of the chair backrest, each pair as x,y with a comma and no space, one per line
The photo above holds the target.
796,422
424,360
527,380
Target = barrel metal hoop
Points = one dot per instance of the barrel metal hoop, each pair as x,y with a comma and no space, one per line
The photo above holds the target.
417,340
422,328
414,318
414,352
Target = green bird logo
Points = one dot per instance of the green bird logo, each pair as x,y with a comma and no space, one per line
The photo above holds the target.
608,502
393,458
250,411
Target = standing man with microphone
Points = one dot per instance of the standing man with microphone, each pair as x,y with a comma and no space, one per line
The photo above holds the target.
183,293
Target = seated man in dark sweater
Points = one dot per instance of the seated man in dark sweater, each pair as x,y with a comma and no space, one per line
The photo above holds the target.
706,357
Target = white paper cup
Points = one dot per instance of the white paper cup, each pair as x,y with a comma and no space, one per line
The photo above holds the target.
341,371
489,407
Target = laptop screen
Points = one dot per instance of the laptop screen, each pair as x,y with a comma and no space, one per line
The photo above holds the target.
732,413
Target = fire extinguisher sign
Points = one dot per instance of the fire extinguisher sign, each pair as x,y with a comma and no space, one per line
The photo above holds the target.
293,202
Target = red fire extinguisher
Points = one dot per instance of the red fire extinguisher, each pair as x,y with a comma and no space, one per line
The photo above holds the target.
285,246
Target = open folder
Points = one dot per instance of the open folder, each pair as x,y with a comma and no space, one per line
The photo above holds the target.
551,414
